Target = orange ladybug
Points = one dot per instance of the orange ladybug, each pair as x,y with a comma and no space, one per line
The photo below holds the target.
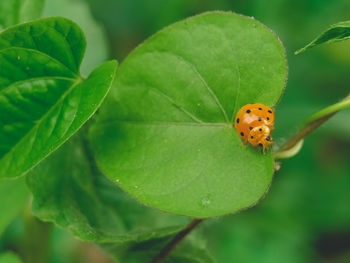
254,124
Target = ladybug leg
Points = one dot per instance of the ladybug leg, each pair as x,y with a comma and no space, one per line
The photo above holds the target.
267,144
271,126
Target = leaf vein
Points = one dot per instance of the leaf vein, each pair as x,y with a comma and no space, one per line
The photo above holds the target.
200,77
165,96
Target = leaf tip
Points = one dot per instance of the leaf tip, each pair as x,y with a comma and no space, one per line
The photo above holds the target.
301,50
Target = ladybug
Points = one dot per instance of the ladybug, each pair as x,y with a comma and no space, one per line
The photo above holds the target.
254,124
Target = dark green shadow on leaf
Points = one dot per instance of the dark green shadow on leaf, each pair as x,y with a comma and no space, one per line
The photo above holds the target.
69,191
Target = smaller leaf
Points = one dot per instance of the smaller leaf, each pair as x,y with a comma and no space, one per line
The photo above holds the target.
56,37
56,124
337,32
43,100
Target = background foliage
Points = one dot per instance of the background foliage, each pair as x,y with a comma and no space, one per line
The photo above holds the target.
305,216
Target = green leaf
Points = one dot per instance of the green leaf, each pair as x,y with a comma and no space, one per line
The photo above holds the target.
16,11
9,257
43,100
337,32
58,39
13,197
165,133
69,191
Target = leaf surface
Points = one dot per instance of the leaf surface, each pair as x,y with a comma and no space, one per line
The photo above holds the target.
165,133
43,100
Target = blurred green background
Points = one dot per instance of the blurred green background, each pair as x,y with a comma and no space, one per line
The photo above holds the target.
305,217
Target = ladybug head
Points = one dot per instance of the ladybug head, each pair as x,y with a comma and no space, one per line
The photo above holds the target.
260,136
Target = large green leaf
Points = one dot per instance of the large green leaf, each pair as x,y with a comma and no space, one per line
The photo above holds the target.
13,197
43,100
16,11
69,191
165,133
337,32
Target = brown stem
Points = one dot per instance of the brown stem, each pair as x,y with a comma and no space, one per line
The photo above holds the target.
307,130
304,132
175,241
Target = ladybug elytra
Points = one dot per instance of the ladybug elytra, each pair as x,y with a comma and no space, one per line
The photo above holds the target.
254,124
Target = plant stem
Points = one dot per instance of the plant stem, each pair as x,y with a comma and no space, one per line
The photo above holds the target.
175,241
313,122
289,152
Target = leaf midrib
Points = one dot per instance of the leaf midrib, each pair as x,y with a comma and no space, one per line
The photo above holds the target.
204,82
64,95
78,79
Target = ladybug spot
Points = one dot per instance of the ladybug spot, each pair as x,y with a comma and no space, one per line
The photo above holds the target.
260,144
250,128
269,111
242,134
248,111
259,119
260,129
260,108
252,137
237,120
268,138
267,118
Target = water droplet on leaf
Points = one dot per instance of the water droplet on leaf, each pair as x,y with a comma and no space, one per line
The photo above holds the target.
205,201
